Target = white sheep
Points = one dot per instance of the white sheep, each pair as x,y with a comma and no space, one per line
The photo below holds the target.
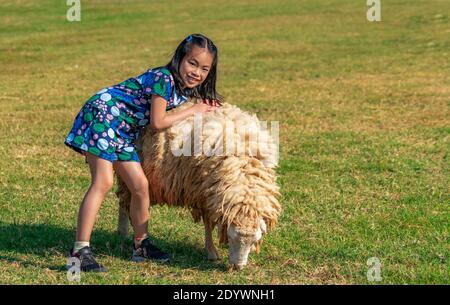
235,191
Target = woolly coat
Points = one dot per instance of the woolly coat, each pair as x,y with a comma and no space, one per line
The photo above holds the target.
238,187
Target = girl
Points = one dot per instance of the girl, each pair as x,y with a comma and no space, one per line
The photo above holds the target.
106,127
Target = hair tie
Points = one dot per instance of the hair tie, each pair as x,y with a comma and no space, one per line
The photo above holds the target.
189,38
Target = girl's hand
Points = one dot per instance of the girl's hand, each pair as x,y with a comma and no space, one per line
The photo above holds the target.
215,103
203,108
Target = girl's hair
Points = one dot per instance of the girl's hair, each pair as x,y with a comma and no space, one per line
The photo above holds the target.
207,89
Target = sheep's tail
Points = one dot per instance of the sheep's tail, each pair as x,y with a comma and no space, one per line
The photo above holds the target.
124,196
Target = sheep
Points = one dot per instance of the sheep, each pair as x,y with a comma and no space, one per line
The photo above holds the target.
225,176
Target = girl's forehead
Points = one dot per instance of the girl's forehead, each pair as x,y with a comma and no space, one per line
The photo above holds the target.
201,55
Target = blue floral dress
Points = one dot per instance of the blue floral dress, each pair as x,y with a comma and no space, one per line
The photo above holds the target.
111,120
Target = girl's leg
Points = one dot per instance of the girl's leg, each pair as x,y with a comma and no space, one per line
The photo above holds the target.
102,181
133,176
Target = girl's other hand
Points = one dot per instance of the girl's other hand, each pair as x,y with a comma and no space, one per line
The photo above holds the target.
203,108
211,102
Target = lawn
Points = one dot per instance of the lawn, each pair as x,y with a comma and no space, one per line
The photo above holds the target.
364,115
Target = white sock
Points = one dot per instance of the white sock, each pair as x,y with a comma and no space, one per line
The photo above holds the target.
80,245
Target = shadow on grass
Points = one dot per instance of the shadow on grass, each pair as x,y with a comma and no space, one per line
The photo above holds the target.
47,241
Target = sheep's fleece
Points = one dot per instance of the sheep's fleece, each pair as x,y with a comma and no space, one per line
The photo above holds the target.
235,190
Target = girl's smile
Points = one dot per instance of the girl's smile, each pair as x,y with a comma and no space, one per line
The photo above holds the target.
195,67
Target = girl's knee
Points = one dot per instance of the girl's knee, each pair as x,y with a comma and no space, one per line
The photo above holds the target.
140,187
104,185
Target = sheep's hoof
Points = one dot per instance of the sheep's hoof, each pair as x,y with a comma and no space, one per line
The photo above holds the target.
213,256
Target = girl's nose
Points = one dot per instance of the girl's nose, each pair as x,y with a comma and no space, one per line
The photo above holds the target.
196,72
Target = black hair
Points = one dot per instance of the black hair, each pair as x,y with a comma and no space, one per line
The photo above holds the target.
207,89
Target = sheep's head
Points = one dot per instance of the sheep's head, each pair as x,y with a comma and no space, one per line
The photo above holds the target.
250,208
242,239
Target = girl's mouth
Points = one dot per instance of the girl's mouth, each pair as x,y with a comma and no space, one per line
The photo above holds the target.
192,80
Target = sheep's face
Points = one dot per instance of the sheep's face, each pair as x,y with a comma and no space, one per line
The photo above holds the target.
241,241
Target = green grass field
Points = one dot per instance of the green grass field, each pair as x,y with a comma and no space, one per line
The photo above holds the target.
364,118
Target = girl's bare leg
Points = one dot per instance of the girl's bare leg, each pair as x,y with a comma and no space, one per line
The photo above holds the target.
134,177
101,184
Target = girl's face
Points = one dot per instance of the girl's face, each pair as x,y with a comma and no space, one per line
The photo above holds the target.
194,67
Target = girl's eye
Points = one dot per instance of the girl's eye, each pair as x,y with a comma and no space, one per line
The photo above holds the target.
192,63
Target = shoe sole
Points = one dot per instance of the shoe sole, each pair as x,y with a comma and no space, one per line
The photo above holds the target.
85,270
139,259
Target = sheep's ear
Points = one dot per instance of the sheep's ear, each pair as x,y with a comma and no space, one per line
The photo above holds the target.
262,226
258,234
261,230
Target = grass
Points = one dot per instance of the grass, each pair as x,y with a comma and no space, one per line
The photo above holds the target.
364,135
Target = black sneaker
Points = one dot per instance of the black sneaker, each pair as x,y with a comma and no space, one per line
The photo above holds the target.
87,260
147,250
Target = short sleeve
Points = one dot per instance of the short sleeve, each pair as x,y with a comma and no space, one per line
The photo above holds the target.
157,81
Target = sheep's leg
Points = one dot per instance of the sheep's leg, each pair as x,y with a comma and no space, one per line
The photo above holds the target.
213,255
123,222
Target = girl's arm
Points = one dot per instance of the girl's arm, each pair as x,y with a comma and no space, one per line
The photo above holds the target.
160,120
